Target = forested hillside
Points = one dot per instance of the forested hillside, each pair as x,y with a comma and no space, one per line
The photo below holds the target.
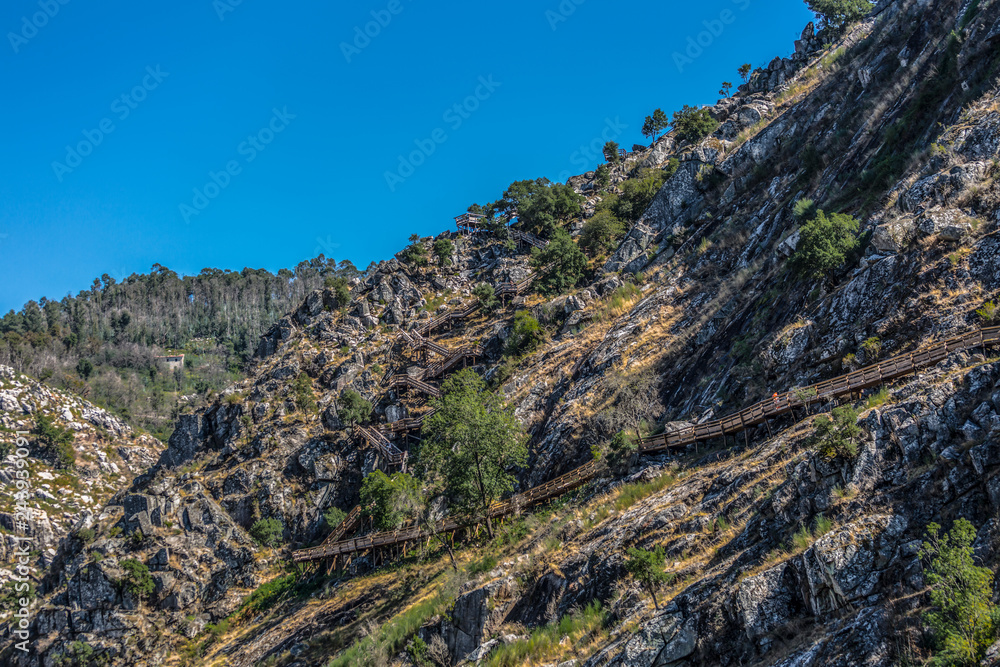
103,342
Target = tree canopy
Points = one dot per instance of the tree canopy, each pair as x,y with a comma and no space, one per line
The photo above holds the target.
838,13
824,244
473,443
560,265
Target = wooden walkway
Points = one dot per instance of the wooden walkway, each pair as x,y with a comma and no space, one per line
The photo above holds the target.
759,413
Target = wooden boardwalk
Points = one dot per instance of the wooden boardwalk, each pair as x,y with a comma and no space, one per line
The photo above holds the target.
865,378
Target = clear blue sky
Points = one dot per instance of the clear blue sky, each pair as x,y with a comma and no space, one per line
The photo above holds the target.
184,85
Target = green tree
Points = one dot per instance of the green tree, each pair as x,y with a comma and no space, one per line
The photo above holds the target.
334,516
415,253
744,71
58,441
693,124
824,244
638,193
543,212
611,152
137,579
384,498
341,289
654,124
474,442
838,13
267,532
964,620
647,568
443,250
837,436
526,334
622,452
602,177
303,391
727,88
353,408
84,368
488,301
559,266
601,233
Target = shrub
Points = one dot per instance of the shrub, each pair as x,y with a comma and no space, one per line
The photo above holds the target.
638,193
303,392
838,13
881,397
526,335
84,368
382,496
744,71
353,408
964,620
334,516
824,243
415,253
621,452
647,568
873,348
443,250
137,579
341,290
560,265
692,124
267,532
804,209
655,124
488,301
988,312
836,436
601,233
57,441
602,177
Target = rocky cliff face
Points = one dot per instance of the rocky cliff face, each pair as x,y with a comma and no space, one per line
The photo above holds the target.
777,555
108,455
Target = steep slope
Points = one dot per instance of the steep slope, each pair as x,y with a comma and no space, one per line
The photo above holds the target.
777,554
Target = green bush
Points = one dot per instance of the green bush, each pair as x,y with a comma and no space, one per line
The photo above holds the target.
415,253
488,301
838,13
559,266
611,152
303,392
638,193
267,532
602,177
443,250
137,579
544,210
965,620
621,452
383,496
693,124
525,336
824,244
601,233
836,436
988,312
57,441
353,408
334,516
341,290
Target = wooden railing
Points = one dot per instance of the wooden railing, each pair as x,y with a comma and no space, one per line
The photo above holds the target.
348,525
756,414
865,378
528,238
374,437
404,380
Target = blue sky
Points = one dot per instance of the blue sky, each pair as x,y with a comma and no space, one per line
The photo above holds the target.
233,133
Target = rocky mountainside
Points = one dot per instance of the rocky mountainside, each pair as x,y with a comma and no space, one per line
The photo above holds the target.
108,452
776,554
